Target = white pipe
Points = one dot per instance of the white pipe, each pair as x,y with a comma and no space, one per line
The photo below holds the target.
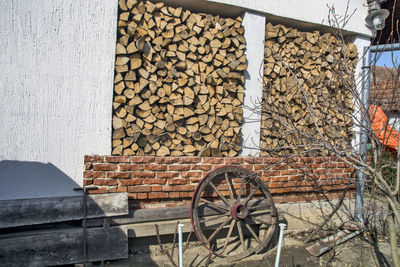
180,226
282,227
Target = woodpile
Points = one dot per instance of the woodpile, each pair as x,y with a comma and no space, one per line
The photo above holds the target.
178,82
307,76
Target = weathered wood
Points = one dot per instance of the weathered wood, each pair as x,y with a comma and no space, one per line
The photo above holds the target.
153,215
20,212
57,247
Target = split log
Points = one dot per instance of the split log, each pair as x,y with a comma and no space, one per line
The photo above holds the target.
177,75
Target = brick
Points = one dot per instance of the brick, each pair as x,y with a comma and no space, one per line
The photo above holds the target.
132,181
142,196
183,188
271,173
184,194
167,188
155,188
253,160
130,167
192,160
118,174
177,181
271,160
282,166
195,180
202,167
217,166
247,166
94,158
167,174
87,174
289,172
105,167
99,174
100,181
234,160
155,167
100,190
142,159
88,165
259,167
167,160
213,160
117,159
143,174
122,188
179,167
152,195
174,194
139,188
192,174
154,181
163,195
87,182
296,177
280,179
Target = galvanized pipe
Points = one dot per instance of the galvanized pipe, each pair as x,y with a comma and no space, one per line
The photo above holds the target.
180,239
366,66
282,227
363,132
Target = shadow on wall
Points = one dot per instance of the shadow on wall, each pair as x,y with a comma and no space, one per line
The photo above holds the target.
26,179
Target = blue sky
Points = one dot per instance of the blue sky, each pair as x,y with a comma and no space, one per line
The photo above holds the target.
385,58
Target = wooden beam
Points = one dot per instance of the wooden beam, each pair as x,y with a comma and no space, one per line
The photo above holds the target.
153,215
65,246
146,215
20,212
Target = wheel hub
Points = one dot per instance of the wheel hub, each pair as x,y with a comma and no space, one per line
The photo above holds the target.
239,211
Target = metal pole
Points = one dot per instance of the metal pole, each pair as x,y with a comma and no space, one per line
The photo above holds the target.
363,132
282,227
180,226
364,118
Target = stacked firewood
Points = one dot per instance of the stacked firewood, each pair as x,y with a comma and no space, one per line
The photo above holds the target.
178,82
307,81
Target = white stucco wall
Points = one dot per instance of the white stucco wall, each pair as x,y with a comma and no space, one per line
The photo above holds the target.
56,80
310,11
254,32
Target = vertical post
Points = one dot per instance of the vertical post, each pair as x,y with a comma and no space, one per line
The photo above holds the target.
180,239
254,32
363,132
282,227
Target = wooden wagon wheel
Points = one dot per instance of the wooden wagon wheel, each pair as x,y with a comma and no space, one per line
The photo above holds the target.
233,213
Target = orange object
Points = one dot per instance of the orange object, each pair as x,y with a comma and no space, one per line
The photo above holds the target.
388,136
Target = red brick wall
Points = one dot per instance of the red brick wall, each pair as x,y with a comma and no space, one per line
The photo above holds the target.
171,181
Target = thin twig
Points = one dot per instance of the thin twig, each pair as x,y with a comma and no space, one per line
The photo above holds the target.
162,247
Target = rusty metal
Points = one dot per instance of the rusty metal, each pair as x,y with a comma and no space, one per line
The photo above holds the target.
246,215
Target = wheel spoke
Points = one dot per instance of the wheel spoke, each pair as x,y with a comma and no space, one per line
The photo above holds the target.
219,193
230,187
219,229
252,192
266,206
257,220
239,227
216,206
240,190
229,235
212,218
253,233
